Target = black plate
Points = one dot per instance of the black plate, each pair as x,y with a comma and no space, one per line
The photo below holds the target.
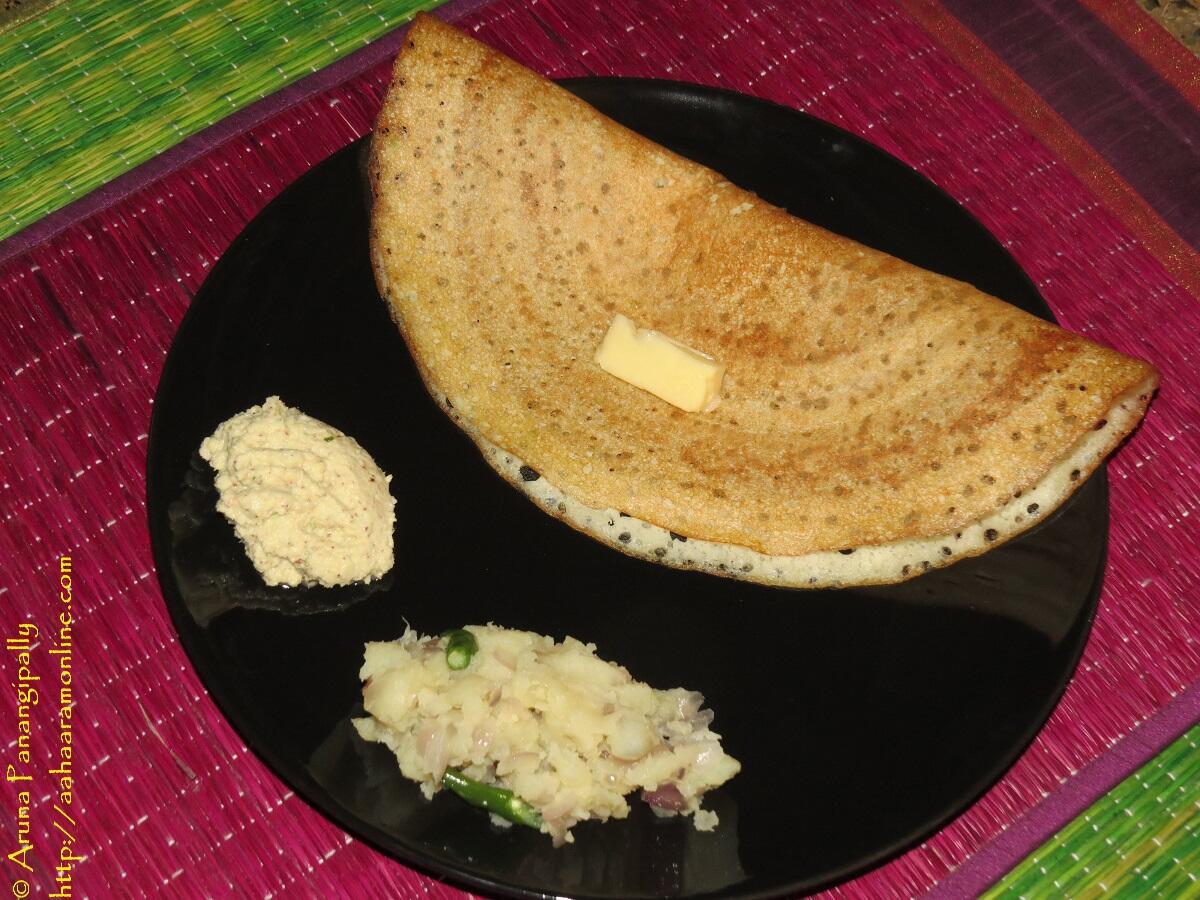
864,719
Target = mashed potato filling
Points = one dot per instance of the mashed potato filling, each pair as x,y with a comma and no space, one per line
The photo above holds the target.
565,731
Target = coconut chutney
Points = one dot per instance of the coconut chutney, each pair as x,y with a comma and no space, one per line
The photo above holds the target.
307,502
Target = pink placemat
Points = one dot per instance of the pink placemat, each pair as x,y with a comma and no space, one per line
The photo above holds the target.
168,797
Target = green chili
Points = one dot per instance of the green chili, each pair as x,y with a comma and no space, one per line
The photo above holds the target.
460,647
500,801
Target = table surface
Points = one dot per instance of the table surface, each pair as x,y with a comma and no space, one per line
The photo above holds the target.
140,138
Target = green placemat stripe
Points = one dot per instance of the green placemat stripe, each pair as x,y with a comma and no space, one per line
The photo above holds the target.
93,89
1142,839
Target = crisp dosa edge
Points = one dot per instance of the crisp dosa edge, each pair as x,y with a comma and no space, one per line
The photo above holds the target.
888,563
865,563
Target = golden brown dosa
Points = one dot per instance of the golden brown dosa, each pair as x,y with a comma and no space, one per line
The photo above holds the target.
877,420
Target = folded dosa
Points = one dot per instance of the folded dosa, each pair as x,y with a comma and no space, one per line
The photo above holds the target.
877,420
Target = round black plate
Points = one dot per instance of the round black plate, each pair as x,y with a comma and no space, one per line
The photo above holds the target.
864,719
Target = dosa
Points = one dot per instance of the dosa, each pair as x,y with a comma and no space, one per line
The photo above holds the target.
876,420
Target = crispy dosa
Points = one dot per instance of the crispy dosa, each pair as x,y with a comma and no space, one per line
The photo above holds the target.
876,420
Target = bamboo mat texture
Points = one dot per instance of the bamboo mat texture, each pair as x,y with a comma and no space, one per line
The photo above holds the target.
170,802
93,89
1141,839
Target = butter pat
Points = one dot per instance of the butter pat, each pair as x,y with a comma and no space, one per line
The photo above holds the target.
667,369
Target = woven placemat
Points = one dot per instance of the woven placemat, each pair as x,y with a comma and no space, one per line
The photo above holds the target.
93,89
171,800
1142,839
